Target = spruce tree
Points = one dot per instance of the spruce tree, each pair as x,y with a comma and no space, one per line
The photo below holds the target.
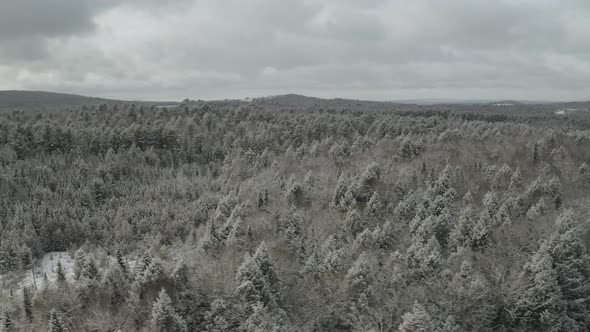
164,318
60,273
56,323
555,283
359,276
27,304
265,262
418,320
121,261
6,323
354,222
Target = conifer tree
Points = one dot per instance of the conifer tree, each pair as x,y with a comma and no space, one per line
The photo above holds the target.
354,222
164,318
375,206
116,284
358,277
27,304
121,261
60,273
555,283
424,258
418,320
6,323
516,181
340,190
470,231
252,286
56,323
216,320
535,154
265,262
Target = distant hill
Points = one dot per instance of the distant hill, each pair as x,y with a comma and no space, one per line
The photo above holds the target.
295,101
12,98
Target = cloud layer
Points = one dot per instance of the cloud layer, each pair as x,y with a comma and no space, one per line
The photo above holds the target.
373,49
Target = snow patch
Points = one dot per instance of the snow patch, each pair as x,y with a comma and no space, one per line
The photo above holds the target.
48,266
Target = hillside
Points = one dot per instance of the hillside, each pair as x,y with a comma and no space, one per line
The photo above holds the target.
38,98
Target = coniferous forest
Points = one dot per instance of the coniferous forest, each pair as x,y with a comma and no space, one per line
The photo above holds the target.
262,216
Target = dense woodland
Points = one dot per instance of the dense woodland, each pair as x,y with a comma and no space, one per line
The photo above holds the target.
255,216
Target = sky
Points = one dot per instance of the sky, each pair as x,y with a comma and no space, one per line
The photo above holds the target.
360,49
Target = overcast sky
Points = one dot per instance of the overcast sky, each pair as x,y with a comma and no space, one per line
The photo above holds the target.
366,49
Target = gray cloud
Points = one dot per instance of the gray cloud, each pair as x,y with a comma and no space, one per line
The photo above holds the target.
379,49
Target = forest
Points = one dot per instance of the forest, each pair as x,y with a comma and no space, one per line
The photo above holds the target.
263,216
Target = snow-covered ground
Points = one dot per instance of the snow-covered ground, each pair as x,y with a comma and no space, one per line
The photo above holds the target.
564,111
48,266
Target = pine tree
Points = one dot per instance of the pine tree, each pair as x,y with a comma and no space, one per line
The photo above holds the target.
252,286
6,323
164,318
470,231
27,304
260,200
121,261
260,320
451,325
354,222
116,284
56,323
312,267
60,273
468,198
423,169
90,270
516,181
418,320
216,320
267,267
555,283
358,277
339,191
424,258
375,206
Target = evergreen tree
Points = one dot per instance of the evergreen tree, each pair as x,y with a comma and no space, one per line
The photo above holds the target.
358,277
418,320
60,273
424,258
216,317
164,318
265,262
7,324
470,231
516,181
27,304
56,323
555,283
252,286
340,190
354,222
375,206
116,284
121,261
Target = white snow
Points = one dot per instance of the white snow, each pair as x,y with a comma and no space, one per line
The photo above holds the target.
563,111
48,265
